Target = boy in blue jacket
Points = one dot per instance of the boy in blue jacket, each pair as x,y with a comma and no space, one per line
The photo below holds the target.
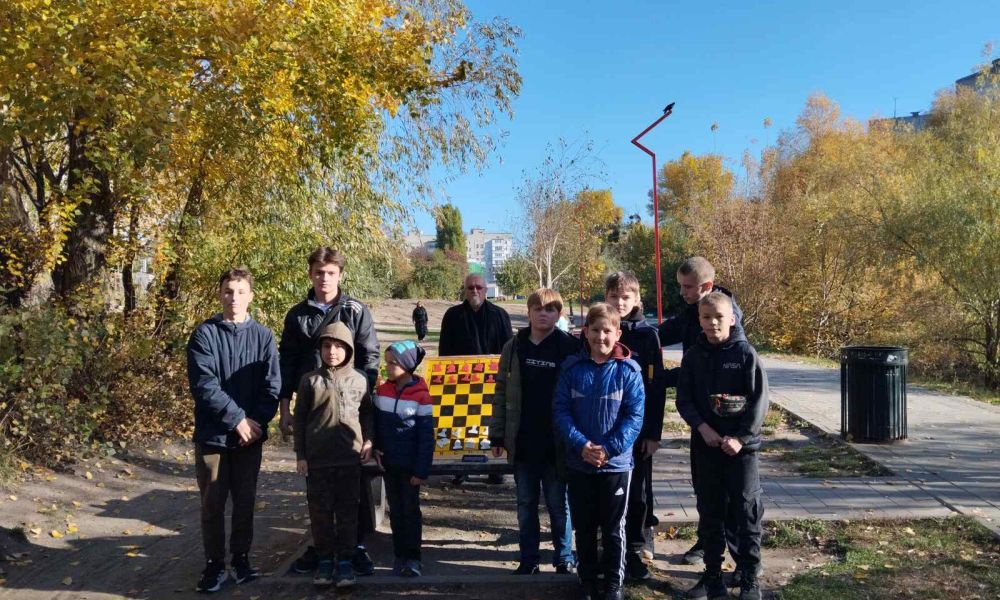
404,447
621,290
722,395
598,413
232,366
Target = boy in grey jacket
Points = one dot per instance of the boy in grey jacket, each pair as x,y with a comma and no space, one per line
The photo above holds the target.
333,433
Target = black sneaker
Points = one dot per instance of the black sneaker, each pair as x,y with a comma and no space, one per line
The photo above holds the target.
242,571
695,555
212,577
733,579
307,562
494,479
614,593
709,586
362,562
749,586
565,568
525,569
635,569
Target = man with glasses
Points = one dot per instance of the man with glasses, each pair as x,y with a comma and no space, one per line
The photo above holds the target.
474,327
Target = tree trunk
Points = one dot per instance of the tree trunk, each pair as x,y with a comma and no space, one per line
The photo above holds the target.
85,250
128,281
193,209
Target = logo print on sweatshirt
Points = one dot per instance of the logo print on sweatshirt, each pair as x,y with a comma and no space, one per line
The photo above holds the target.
620,492
731,365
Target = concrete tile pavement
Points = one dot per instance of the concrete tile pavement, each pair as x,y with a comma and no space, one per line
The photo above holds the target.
949,463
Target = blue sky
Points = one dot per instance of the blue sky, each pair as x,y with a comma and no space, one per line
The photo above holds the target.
606,69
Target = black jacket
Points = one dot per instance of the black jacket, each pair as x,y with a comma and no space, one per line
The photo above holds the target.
420,315
731,367
299,351
233,373
641,338
684,328
459,335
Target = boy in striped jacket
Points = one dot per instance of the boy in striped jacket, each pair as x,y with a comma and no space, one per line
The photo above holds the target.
404,447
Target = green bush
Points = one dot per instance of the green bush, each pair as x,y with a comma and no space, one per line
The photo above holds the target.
71,380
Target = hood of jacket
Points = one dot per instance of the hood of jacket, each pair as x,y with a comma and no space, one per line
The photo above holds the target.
341,333
736,336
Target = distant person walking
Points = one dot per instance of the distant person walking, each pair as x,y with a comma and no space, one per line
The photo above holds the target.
474,327
420,321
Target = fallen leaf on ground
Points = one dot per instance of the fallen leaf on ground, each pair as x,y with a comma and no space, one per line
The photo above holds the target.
68,581
56,533
88,475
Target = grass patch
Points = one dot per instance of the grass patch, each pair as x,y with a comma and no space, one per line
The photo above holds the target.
959,388
675,426
800,533
432,336
833,459
927,558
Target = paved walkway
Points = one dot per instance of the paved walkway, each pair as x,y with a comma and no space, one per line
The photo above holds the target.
950,463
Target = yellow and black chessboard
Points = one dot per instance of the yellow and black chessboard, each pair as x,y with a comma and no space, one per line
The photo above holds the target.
459,385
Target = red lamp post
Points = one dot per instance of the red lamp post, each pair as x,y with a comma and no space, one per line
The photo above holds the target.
656,210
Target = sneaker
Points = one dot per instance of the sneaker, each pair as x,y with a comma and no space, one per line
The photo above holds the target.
565,568
614,593
345,574
397,566
649,547
590,590
324,573
307,562
525,569
494,479
749,586
709,586
458,480
362,562
635,569
411,568
242,571
695,555
733,579
212,577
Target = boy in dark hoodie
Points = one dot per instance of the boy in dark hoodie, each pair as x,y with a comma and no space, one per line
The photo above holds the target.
333,433
621,291
598,415
722,395
696,279
404,447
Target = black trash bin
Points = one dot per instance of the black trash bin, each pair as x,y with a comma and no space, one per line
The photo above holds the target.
873,393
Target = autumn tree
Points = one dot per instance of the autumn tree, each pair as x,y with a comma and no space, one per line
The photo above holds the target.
516,275
691,183
123,116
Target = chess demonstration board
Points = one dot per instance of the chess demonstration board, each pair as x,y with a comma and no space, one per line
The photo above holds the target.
460,386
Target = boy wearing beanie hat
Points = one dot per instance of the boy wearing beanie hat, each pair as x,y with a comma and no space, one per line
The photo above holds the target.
404,447
333,432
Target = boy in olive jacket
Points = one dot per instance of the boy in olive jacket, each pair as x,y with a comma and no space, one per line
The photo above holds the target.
333,432
522,425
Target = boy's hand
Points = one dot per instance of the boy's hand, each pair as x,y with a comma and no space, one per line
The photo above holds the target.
285,420
248,430
709,435
378,459
731,445
366,451
497,451
649,447
415,481
594,455
302,467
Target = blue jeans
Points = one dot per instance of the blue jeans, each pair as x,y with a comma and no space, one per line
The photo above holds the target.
530,479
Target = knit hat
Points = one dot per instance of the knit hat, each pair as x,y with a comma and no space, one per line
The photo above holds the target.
408,354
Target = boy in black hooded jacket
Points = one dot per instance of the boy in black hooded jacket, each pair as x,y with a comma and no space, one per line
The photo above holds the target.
722,395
